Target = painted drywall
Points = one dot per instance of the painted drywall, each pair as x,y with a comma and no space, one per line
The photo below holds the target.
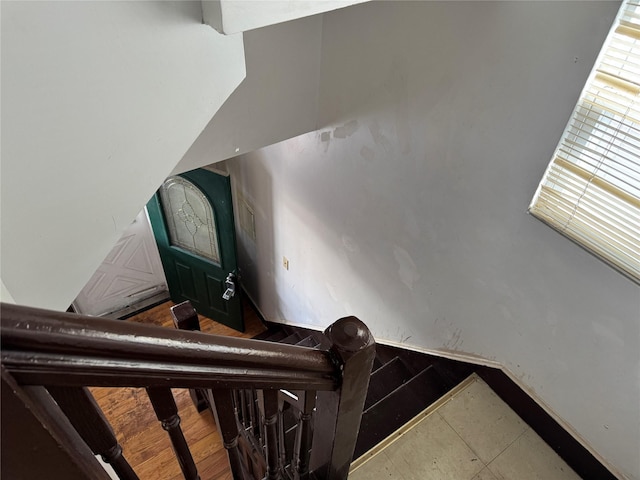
5,295
233,16
100,100
277,100
409,208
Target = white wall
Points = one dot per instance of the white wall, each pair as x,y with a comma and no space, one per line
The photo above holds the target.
5,295
100,100
277,100
233,16
409,209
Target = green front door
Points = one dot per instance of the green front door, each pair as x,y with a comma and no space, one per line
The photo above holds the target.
192,220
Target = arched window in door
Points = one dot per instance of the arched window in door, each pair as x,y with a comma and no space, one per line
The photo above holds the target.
190,218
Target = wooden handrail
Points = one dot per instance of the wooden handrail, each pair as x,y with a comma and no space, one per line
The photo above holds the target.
41,347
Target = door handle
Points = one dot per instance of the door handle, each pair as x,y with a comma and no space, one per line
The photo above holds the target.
230,284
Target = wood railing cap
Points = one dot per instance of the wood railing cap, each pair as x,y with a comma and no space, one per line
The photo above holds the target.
130,349
349,334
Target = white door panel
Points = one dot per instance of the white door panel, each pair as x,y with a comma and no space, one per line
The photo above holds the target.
130,273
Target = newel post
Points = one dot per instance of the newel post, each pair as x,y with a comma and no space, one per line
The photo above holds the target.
185,317
338,415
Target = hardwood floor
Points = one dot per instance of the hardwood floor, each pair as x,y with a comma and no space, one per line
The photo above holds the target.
145,444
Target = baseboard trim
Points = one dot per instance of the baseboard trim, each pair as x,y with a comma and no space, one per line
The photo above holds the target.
569,445
457,356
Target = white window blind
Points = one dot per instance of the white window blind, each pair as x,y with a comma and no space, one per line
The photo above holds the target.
591,189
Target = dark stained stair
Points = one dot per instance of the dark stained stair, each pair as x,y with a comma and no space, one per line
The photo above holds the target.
402,384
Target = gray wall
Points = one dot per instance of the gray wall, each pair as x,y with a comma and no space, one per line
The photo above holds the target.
277,100
99,102
409,208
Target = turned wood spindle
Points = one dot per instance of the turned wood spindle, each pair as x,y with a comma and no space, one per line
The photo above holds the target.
167,413
305,435
85,415
225,417
271,423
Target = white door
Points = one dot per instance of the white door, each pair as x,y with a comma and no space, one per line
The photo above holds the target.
131,273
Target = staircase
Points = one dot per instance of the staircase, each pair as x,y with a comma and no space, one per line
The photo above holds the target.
291,404
402,384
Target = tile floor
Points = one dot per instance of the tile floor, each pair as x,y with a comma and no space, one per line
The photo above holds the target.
473,436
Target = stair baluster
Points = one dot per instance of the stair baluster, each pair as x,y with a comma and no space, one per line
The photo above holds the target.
225,417
253,419
244,418
304,436
270,399
282,444
85,415
235,396
167,412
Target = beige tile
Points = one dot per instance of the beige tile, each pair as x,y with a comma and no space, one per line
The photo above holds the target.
529,458
378,467
433,451
483,420
485,474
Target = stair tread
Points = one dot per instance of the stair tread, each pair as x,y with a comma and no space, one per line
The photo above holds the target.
271,335
291,339
385,380
281,333
308,341
391,412
414,361
403,383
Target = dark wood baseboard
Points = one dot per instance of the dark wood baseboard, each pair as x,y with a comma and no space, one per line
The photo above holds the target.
561,441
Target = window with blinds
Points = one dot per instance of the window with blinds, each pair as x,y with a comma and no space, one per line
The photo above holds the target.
591,189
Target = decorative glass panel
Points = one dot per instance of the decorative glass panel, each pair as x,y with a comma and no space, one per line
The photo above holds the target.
190,218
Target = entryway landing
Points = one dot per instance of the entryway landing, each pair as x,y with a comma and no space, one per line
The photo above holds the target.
469,434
